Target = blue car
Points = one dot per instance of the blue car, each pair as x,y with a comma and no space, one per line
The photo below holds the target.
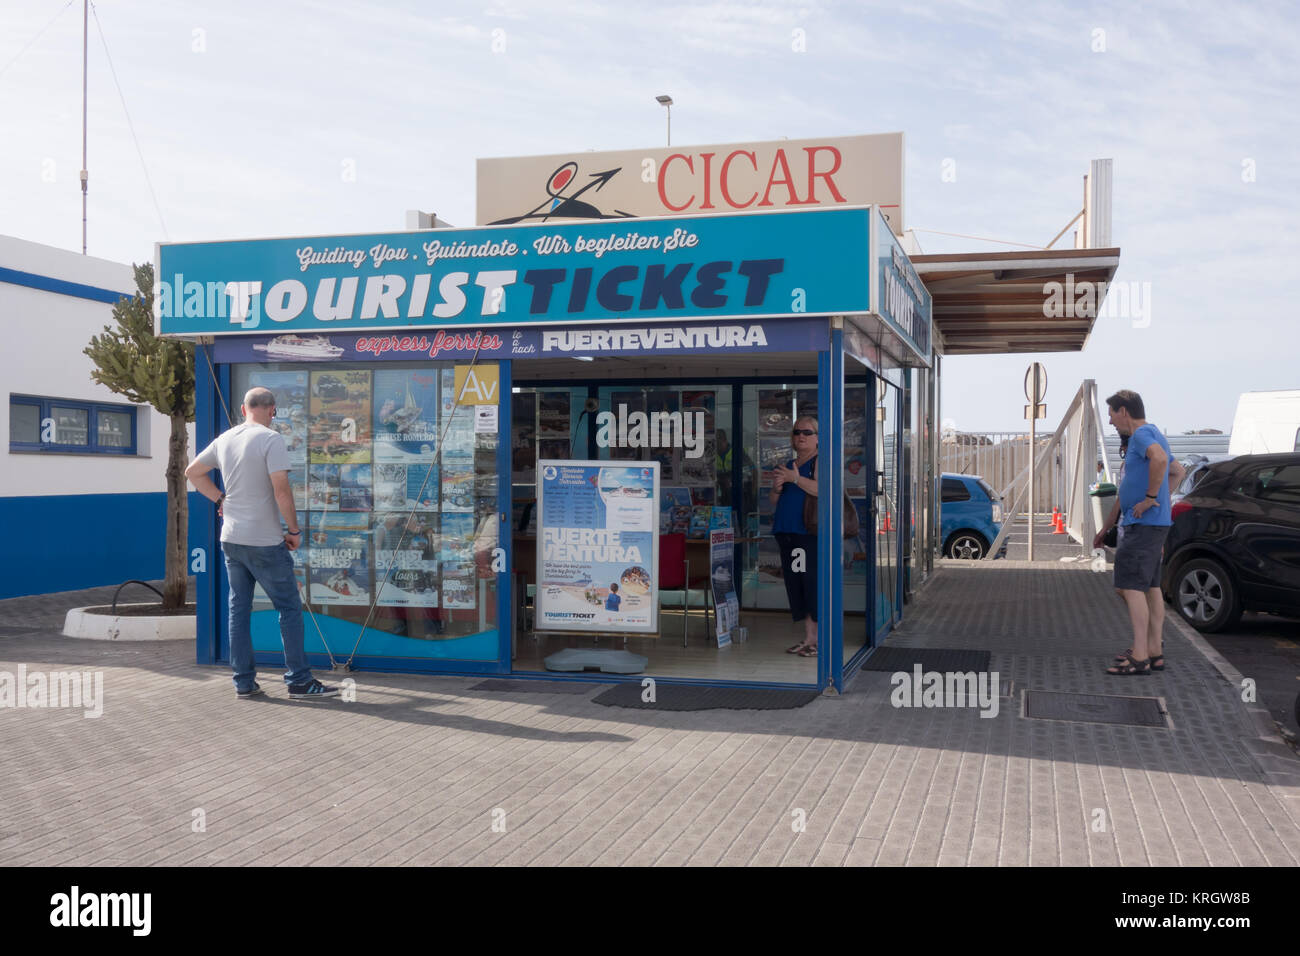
970,514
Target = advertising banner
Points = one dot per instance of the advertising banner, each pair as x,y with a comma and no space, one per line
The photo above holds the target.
722,575
695,180
898,295
301,291
598,546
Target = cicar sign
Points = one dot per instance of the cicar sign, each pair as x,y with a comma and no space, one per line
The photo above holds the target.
695,180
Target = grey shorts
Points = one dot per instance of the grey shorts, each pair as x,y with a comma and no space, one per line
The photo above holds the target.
1138,560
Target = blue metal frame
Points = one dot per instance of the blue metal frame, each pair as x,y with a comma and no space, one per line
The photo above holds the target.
44,404
830,519
208,422
505,522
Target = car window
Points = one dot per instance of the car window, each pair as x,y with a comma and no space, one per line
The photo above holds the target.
1280,483
955,490
988,489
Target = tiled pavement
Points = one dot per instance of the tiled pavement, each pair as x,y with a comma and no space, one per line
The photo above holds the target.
418,770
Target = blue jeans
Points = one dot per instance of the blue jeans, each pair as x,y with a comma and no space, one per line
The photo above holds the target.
271,567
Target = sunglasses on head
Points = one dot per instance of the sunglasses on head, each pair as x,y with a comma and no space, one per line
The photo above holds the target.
803,431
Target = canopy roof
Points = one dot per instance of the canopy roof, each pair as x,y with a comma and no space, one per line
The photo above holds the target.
994,302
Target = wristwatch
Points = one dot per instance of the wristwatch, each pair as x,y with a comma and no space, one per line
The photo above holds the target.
294,533
1154,497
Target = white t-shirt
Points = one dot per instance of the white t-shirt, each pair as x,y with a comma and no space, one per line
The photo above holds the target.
247,455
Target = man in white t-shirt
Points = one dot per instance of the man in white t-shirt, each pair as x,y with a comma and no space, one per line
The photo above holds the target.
254,465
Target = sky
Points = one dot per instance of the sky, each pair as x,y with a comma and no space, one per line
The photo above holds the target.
235,119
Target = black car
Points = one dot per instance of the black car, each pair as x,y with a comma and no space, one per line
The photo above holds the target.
1235,542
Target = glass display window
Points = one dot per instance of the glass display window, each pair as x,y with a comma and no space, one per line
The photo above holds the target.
397,494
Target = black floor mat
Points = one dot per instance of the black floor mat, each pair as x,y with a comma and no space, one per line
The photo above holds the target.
684,697
538,686
1094,708
944,660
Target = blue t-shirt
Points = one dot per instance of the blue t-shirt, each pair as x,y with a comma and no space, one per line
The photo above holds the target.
612,602
1137,473
788,518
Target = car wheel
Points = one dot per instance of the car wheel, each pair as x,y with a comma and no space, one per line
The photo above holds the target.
1205,595
969,545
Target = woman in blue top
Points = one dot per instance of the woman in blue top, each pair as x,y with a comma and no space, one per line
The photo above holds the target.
791,484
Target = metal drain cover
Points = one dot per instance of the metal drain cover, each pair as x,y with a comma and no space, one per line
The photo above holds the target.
1094,708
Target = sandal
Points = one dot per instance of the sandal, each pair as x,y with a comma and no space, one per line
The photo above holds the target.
1134,666
795,649
808,650
1157,661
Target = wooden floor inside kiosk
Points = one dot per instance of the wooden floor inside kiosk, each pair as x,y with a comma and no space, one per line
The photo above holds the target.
761,658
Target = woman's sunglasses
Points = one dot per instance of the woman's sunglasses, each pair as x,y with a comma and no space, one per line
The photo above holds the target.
803,431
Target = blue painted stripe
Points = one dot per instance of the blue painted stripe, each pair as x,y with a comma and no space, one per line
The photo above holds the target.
62,287
69,542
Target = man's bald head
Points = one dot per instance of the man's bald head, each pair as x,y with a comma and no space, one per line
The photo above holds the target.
258,405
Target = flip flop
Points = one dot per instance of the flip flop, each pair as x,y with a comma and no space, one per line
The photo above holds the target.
808,651
795,649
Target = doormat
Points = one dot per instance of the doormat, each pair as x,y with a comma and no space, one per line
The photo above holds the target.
687,697
537,686
1094,708
943,660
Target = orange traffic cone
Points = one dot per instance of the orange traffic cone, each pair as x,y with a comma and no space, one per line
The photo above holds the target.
1060,524
888,525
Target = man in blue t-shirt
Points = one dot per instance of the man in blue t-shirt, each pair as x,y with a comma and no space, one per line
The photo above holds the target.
613,600
1144,513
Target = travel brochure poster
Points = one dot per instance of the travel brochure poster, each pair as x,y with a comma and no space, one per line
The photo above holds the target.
290,420
596,558
406,415
340,417
340,558
722,575
459,582
411,487
406,560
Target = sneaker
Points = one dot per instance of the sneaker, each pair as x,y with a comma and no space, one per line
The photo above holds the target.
313,691
251,692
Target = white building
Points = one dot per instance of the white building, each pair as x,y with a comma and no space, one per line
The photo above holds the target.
82,491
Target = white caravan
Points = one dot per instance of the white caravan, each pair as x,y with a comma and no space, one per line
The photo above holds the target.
1266,423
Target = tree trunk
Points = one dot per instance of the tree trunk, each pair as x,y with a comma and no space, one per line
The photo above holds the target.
178,512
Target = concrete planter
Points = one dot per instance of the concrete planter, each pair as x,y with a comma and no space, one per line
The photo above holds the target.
97,624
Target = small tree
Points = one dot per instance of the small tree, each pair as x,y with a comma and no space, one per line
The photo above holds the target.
149,370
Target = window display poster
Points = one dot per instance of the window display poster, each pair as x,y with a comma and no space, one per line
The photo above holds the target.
775,415
674,510
701,516
457,479
772,452
553,415
298,485
339,424
597,550
322,487
290,390
355,485
722,575
340,558
406,415
406,560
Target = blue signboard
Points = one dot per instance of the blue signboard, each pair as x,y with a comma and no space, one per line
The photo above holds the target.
897,294
745,265
530,342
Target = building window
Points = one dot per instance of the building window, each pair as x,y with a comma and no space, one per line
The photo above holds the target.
41,424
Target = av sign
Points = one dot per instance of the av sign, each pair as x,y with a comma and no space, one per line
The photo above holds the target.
695,180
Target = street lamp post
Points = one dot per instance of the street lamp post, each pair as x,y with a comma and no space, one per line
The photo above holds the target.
666,102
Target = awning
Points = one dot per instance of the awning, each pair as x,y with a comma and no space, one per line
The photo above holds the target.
988,303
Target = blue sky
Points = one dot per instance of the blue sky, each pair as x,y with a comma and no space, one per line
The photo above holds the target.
303,118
